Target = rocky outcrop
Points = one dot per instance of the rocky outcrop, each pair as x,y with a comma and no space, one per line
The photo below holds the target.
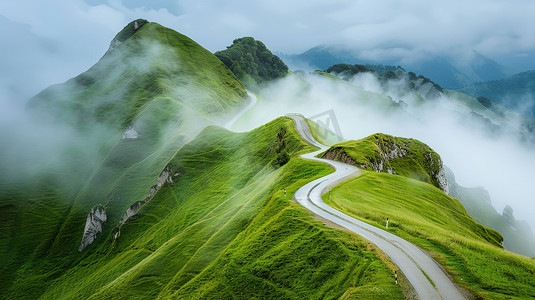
93,226
387,153
126,33
507,215
339,155
442,179
130,133
440,174
393,155
164,177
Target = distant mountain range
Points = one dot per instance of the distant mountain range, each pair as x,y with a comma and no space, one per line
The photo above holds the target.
515,92
449,73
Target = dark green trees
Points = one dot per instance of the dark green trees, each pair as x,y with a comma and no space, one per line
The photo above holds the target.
252,62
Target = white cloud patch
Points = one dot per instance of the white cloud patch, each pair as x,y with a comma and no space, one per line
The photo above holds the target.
499,163
405,32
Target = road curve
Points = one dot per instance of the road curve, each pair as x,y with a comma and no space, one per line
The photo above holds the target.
410,259
252,102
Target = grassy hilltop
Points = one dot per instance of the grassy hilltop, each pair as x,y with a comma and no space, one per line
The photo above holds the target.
423,214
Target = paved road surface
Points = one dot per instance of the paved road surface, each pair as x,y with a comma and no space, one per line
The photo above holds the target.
410,259
252,102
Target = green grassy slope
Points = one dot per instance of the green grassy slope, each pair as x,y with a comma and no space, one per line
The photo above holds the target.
517,235
323,134
422,214
222,229
160,82
513,92
385,153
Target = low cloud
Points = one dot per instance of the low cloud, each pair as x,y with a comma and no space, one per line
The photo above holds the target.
497,161
59,39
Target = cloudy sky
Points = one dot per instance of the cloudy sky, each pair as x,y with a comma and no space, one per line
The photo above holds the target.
46,42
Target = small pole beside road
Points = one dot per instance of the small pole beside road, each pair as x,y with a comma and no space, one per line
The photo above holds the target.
386,222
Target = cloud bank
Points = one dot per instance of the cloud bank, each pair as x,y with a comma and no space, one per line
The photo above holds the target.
498,162
58,39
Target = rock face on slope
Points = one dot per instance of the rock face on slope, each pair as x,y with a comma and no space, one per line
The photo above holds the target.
517,234
392,155
164,177
93,226
127,32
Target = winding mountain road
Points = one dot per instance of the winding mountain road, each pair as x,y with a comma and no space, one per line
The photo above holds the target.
426,276
250,105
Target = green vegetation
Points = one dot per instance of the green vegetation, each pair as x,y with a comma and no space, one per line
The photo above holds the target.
164,85
223,228
130,29
494,115
322,134
517,236
383,74
252,62
513,92
349,69
424,215
395,155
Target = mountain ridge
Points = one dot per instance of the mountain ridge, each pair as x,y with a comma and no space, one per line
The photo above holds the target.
158,83
450,73
514,92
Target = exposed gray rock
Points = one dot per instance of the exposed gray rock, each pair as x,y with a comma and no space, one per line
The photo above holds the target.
93,226
134,208
507,214
340,156
388,152
442,179
130,133
114,43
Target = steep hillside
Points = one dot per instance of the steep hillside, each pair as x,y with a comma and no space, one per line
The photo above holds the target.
517,235
392,155
515,92
126,117
426,216
221,226
419,212
252,62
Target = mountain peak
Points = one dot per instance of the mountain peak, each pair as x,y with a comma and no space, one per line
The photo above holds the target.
127,32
